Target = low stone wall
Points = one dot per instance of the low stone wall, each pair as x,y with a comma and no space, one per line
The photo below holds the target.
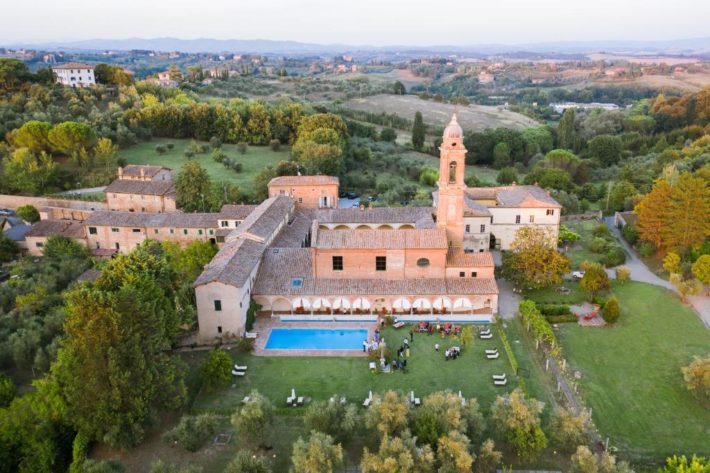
53,208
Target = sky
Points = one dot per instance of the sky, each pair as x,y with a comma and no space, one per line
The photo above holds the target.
357,22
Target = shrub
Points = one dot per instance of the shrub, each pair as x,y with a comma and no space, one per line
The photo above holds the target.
215,142
388,135
630,234
615,255
275,145
218,155
204,149
192,432
216,369
553,309
242,147
7,390
646,249
160,149
507,175
602,231
611,310
598,245
170,146
237,167
245,462
189,154
251,314
622,274
561,319
28,213
245,345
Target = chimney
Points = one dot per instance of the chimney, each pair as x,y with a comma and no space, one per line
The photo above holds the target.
369,205
535,183
513,183
362,206
142,173
120,172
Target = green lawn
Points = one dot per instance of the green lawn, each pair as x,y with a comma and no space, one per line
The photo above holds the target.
631,374
580,250
321,377
255,159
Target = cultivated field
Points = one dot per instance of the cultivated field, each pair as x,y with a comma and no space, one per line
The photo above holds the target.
683,82
472,117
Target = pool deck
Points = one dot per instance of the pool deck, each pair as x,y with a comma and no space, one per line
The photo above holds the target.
264,324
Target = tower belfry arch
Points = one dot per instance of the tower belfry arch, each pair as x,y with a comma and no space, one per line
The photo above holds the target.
452,166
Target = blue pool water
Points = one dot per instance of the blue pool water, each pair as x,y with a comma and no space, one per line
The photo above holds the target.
316,339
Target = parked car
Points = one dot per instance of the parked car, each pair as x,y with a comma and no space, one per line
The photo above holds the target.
351,195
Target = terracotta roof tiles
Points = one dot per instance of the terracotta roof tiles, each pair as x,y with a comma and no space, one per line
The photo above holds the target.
390,239
304,181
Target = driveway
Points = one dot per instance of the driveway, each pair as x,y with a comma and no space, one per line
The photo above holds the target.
641,273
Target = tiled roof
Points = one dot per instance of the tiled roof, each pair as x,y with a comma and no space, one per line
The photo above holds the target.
474,209
235,212
18,232
304,181
293,234
630,217
90,274
390,239
264,220
458,258
124,186
375,215
280,266
149,170
47,228
233,263
73,65
146,219
514,196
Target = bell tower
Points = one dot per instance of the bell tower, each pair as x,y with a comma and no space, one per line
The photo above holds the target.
452,165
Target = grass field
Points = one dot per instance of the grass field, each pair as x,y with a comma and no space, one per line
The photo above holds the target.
255,159
321,377
631,374
472,117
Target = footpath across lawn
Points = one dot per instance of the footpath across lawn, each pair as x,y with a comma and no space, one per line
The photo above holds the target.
321,377
631,374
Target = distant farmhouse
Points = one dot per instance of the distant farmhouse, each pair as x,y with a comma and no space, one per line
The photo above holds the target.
74,74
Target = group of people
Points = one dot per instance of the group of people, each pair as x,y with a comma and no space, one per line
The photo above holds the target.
374,344
452,353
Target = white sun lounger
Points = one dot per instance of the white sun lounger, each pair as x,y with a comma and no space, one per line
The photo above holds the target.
238,373
251,334
292,398
492,352
485,331
499,376
240,368
500,382
493,356
486,336
415,401
368,400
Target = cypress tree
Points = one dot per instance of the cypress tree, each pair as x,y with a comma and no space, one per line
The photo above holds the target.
418,131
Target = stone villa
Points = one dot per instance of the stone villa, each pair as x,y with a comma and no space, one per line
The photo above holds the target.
299,256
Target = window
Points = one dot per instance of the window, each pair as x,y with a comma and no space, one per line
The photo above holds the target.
39,244
462,274
114,229
532,219
550,211
172,231
517,219
184,231
156,231
219,329
225,223
199,232
483,228
337,263
423,262
118,245
300,200
136,230
468,228
92,231
452,171
218,306
474,274
296,282
211,232
380,263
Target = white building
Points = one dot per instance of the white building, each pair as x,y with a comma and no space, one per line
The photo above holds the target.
74,74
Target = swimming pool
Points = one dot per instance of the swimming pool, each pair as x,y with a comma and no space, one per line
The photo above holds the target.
316,339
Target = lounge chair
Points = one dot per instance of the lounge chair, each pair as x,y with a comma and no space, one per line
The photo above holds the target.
500,382
398,324
246,399
485,331
415,401
238,373
292,398
492,352
493,356
251,334
240,368
499,376
299,401
486,336
368,401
